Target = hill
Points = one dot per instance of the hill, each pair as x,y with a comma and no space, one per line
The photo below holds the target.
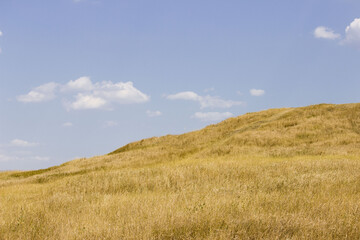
291,173
315,130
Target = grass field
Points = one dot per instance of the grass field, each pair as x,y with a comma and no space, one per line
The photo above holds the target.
278,174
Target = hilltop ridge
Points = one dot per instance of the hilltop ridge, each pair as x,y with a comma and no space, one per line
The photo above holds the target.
317,129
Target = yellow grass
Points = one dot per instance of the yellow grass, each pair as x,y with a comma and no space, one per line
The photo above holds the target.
277,174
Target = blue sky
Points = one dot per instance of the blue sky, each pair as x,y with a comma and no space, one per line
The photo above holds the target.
82,78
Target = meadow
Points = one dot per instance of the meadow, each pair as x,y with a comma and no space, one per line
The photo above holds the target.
291,173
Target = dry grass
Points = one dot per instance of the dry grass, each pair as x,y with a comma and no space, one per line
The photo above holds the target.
277,174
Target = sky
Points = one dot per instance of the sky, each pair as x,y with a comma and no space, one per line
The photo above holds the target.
81,78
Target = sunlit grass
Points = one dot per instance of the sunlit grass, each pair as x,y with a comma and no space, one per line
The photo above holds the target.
245,178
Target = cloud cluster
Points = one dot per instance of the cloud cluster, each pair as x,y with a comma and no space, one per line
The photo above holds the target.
212,116
86,94
351,38
103,94
204,101
207,102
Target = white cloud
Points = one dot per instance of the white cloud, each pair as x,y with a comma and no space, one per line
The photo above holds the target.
22,143
84,101
352,34
68,124
110,124
204,101
326,33
153,113
212,116
80,84
257,92
88,95
121,92
184,96
42,93
106,93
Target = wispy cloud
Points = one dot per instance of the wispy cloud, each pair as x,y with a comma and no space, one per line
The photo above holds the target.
39,158
212,116
326,33
209,89
188,95
19,150
22,143
88,95
153,113
257,92
5,158
204,101
11,158
42,93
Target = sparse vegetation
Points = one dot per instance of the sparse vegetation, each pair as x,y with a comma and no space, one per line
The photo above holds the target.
278,174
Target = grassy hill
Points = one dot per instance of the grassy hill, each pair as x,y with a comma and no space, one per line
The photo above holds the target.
291,173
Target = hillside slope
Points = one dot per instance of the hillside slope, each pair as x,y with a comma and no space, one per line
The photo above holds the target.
315,130
281,173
